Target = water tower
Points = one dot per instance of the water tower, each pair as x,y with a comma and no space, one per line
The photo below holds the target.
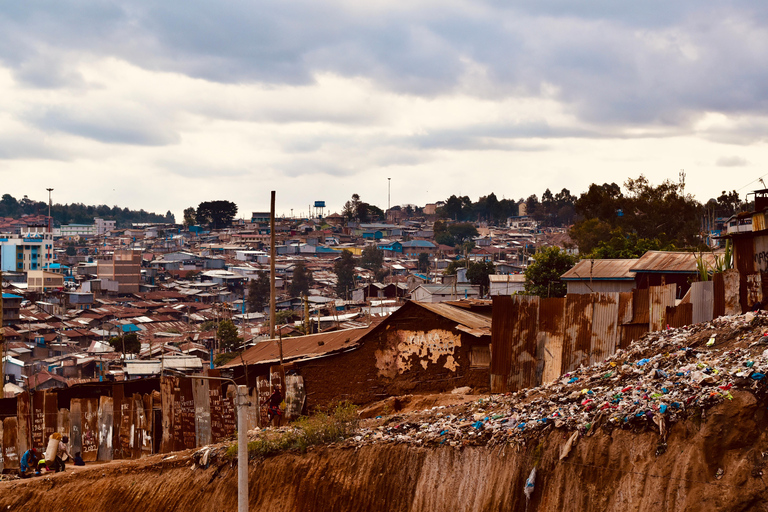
319,207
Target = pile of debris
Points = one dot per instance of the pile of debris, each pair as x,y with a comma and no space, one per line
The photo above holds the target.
660,379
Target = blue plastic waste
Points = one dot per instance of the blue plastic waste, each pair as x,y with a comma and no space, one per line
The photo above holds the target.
642,362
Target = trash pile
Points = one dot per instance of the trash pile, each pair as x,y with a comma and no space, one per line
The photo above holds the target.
659,380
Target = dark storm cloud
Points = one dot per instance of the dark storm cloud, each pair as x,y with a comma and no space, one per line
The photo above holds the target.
611,63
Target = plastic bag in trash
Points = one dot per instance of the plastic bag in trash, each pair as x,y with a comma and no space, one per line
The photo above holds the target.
529,484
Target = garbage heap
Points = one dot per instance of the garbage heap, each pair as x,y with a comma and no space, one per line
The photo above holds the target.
659,380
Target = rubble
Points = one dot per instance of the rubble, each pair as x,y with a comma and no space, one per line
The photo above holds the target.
661,379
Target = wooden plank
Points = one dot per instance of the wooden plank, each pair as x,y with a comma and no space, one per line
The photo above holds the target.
10,441
139,423
23,423
63,425
295,396
76,426
201,393
187,412
126,427
2,446
166,407
228,412
147,434
217,411
89,420
118,395
51,414
264,391
106,423
38,420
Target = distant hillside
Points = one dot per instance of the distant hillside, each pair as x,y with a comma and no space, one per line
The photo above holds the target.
78,213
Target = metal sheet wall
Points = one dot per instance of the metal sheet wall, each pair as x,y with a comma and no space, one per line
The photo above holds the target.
578,331
679,316
552,333
659,299
89,411
10,443
295,396
75,438
106,425
625,308
605,327
501,342
641,306
718,287
754,284
202,397
702,299
731,291
525,308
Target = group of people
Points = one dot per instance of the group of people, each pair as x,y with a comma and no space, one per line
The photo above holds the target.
34,461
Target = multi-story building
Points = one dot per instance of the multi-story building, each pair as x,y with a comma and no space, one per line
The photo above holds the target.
11,306
44,281
124,267
104,226
22,253
73,230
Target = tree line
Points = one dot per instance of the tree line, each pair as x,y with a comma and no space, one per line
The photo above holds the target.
79,213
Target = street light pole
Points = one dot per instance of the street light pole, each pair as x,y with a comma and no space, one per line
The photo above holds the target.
389,193
50,224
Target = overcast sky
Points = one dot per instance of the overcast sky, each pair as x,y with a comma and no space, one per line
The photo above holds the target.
163,104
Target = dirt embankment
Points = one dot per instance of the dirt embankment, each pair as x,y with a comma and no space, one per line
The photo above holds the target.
714,463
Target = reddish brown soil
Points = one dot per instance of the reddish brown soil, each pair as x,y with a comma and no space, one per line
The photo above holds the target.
617,471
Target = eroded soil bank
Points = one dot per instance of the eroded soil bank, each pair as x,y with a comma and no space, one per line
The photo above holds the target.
715,463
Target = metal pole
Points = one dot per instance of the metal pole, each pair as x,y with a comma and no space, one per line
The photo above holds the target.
2,340
242,450
50,223
272,268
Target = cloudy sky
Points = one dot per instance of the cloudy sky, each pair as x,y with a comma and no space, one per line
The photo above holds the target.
162,105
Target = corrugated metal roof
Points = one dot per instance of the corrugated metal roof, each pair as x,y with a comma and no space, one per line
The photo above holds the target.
507,278
461,316
671,262
601,269
302,347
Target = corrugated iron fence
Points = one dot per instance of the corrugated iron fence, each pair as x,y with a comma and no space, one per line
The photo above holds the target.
183,413
537,340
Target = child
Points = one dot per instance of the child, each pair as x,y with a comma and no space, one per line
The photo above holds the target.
79,460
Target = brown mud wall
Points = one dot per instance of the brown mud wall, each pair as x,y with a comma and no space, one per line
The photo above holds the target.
616,471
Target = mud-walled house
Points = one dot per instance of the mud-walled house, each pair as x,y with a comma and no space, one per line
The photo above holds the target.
420,348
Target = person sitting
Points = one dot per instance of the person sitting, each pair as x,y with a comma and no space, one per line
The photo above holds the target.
79,460
42,465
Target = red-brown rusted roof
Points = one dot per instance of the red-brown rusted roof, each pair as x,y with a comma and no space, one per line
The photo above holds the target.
671,262
618,269
302,347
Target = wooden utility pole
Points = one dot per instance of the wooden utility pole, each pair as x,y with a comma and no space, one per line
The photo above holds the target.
272,268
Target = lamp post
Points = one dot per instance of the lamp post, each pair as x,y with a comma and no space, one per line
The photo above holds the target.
389,192
50,224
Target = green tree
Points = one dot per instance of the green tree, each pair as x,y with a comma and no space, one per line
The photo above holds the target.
423,264
372,258
302,280
625,246
258,292
189,217
130,341
462,231
344,267
71,250
478,272
228,336
216,214
542,277
352,207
